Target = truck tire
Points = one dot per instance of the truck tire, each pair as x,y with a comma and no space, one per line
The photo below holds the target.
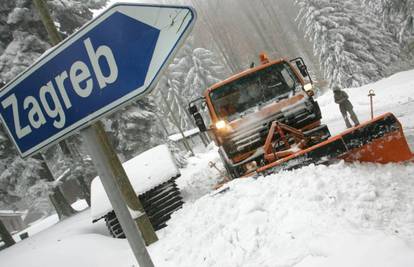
159,203
231,171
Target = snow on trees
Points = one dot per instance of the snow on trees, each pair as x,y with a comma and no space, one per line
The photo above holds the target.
351,46
203,72
133,129
24,187
397,16
190,73
22,51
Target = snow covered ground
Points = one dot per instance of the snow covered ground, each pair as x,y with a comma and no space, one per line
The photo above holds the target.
340,215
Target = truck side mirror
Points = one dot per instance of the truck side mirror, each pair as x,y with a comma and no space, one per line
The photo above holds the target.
200,122
197,118
302,68
192,109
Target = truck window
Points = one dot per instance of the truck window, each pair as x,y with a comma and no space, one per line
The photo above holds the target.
248,93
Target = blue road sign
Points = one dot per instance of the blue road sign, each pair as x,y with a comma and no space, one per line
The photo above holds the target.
112,60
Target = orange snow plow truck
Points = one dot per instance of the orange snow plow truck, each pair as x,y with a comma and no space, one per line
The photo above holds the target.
265,119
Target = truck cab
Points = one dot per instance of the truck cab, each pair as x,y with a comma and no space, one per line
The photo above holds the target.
242,107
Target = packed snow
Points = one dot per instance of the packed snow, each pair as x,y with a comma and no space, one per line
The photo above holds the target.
345,214
145,171
316,214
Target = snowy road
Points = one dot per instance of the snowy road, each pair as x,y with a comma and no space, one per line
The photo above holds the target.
341,215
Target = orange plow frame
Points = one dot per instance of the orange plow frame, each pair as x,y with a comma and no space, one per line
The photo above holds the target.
378,140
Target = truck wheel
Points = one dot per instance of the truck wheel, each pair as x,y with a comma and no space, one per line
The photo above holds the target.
159,203
231,171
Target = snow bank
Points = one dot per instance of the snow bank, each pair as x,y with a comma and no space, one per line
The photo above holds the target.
314,216
145,171
198,178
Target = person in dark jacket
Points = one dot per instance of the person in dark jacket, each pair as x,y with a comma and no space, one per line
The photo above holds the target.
345,106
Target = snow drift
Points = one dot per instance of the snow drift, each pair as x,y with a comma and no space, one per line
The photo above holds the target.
341,215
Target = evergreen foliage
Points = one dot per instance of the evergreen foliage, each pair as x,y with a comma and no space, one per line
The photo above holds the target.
190,73
134,129
397,16
349,41
22,40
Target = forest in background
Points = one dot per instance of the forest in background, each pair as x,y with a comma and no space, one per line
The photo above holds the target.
349,42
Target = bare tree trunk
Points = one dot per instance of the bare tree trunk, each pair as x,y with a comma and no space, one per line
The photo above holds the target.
177,124
162,125
204,138
85,190
75,155
227,54
61,205
5,235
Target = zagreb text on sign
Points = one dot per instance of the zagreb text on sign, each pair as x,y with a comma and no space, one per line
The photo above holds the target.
78,78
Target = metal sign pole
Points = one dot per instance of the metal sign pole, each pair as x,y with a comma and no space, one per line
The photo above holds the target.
107,164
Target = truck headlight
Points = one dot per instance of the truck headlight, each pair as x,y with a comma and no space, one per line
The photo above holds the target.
220,125
309,89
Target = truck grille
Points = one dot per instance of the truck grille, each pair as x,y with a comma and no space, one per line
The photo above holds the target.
253,135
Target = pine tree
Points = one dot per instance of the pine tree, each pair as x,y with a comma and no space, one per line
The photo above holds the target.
190,73
134,129
397,16
349,42
22,51
21,37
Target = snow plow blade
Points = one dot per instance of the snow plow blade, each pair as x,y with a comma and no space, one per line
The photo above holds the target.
378,140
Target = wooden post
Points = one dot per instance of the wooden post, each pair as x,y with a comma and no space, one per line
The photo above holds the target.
122,196
53,33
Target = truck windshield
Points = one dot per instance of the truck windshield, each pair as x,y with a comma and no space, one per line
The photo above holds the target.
248,93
